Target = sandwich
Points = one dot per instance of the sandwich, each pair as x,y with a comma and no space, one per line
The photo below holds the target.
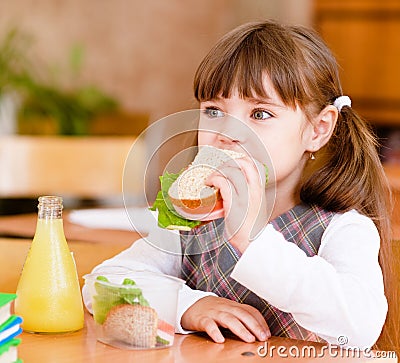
185,201
126,316
135,325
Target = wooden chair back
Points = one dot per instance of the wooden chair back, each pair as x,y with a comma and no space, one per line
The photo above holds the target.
83,167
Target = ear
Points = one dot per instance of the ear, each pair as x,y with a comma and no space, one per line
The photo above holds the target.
322,128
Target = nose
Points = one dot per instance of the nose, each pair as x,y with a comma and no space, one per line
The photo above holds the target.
232,131
224,139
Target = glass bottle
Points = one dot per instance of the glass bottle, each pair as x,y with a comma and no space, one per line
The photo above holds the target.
48,294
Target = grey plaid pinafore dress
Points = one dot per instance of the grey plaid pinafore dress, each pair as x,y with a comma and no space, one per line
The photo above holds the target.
208,260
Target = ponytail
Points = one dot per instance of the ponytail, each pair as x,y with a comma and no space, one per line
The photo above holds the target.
352,177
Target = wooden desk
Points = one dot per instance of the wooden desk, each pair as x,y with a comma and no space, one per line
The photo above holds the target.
87,255
24,225
82,347
90,246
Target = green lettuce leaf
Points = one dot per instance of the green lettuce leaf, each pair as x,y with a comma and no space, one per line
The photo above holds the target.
109,296
167,217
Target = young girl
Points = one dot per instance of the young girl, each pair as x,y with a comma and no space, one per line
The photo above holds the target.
312,273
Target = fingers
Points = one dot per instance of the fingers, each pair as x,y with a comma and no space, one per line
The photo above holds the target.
210,313
225,320
260,328
217,180
241,172
245,322
231,182
211,328
242,184
239,327
243,177
253,170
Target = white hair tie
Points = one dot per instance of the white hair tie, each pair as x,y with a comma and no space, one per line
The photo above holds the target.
342,101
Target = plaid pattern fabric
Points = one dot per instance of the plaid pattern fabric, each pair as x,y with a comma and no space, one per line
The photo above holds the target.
208,260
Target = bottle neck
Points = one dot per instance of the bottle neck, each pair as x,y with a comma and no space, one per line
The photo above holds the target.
50,207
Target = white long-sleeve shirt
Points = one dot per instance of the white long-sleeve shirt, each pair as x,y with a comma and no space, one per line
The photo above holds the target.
336,293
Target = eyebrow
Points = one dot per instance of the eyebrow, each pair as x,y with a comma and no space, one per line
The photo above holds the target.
254,100
264,101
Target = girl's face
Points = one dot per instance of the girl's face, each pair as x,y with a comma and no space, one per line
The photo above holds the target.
269,131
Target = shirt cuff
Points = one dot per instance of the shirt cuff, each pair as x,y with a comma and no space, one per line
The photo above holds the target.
187,297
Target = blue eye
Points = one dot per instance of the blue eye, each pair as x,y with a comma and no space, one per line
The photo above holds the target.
261,115
213,112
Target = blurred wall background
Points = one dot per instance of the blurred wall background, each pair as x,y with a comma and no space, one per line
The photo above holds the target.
144,53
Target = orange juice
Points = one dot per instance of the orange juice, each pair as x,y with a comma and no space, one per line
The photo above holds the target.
48,293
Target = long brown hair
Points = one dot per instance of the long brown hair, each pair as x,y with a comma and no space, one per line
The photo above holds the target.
304,73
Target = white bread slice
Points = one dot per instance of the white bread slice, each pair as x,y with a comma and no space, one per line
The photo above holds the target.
189,190
135,325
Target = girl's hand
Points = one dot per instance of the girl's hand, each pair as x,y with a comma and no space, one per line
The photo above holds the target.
242,186
211,312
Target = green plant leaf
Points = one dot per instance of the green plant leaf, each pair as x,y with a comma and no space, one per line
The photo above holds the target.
44,95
